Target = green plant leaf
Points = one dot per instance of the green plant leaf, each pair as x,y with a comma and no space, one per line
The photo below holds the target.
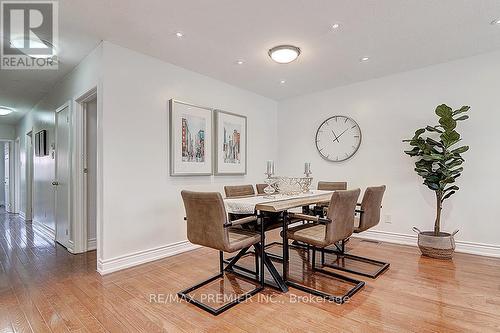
450,138
432,186
460,150
444,110
462,118
451,188
447,195
463,109
433,142
433,129
448,123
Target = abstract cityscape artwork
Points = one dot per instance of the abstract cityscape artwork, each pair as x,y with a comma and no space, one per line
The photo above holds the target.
231,142
193,139
231,145
190,139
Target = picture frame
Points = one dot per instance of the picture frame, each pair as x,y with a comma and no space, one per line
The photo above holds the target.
191,139
37,144
230,143
43,143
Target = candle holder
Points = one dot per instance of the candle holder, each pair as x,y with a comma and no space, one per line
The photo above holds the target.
269,189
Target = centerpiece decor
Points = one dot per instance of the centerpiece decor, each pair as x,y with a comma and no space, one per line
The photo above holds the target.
439,164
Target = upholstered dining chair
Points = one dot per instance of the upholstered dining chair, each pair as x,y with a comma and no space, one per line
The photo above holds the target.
207,225
323,232
234,191
260,188
320,209
332,186
238,190
368,216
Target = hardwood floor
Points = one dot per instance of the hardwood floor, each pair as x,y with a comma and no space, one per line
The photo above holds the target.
43,288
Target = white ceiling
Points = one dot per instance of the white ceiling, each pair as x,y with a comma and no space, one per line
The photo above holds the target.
397,36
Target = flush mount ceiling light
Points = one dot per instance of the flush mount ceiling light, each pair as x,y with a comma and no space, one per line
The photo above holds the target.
495,22
5,110
283,81
179,34
284,54
240,62
364,59
335,26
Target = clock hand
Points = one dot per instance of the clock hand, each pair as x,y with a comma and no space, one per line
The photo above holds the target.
336,137
342,133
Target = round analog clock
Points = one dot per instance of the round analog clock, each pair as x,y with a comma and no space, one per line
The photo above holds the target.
338,138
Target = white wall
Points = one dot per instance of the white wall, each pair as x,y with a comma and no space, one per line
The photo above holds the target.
388,110
83,77
2,173
7,132
142,206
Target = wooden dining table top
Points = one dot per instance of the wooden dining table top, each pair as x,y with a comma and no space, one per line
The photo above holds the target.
278,203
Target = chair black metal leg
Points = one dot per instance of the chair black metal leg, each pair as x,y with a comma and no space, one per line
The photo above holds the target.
262,255
313,261
237,257
358,285
285,246
341,255
184,294
221,261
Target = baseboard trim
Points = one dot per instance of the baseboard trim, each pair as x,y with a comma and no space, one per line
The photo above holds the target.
481,249
22,215
91,244
43,229
141,257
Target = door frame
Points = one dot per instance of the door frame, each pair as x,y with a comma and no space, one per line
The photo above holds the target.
80,196
68,245
17,175
29,165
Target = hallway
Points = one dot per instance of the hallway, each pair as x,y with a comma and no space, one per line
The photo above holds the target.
34,282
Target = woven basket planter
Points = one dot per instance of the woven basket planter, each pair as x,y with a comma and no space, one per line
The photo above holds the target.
440,246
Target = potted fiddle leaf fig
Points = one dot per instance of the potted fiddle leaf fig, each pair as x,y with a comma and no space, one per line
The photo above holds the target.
439,163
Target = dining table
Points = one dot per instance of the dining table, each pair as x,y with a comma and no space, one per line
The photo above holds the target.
279,204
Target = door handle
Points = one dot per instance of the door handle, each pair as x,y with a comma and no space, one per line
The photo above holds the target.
55,183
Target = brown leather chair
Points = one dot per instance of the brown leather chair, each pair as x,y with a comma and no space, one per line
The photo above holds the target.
332,186
323,232
321,209
207,225
234,191
238,190
260,188
368,217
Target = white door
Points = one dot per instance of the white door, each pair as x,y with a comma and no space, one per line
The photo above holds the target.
61,181
8,207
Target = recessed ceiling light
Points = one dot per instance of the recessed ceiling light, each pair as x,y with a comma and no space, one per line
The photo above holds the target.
364,59
284,54
335,26
495,22
283,81
5,110
179,34
240,62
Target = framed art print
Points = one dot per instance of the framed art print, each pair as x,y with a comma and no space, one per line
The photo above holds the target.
230,143
190,139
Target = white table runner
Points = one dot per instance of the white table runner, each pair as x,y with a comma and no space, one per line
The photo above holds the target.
247,205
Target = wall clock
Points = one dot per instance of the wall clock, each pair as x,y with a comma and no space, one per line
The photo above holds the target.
338,138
